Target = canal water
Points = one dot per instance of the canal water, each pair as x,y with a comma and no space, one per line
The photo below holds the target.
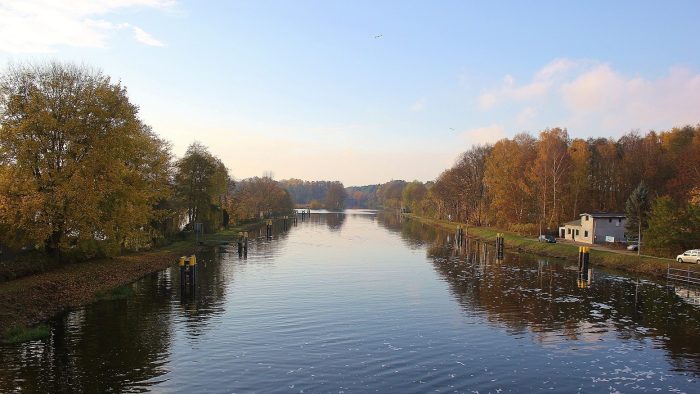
366,302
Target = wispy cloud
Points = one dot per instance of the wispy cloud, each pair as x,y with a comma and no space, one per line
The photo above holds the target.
31,26
145,38
419,105
538,87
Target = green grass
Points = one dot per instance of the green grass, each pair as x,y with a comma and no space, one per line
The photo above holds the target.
25,334
118,293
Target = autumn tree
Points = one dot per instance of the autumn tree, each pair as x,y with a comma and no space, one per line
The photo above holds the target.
547,172
257,195
579,174
605,182
389,194
335,196
78,168
511,200
202,183
412,195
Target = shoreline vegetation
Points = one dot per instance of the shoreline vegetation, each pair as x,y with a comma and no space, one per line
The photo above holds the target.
29,302
654,267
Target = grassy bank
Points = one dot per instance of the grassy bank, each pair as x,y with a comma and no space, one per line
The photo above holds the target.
30,301
642,265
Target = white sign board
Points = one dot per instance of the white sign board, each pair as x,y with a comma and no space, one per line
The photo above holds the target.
609,238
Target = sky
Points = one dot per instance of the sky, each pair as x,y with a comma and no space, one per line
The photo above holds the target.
369,91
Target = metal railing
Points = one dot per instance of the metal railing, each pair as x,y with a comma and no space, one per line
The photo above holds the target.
689,277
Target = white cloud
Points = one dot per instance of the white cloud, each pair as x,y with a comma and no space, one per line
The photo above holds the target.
42,25
484,135
621,102
418,105
145,38
555,68
487,101
525,116
596,97
537,88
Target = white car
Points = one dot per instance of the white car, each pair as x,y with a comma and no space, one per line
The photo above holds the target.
689,256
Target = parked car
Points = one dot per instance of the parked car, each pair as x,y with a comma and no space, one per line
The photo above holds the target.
689,256
547,238
634,246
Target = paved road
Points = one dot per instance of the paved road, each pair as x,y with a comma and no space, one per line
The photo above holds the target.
607,249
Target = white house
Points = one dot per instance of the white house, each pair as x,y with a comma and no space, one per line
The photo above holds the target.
595,228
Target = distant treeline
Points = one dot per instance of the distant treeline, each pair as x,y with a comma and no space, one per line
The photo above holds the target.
362,197
331,194
82,176
316,194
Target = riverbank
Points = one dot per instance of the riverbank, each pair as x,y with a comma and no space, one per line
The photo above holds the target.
632,264
34,299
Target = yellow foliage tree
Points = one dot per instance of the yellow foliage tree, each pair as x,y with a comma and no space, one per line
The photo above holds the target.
78,169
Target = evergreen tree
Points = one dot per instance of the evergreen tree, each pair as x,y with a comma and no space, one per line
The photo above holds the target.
636,211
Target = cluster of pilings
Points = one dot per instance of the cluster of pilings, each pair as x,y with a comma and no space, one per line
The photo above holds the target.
585,274
305,214
286,221
500,245
188,271
243,243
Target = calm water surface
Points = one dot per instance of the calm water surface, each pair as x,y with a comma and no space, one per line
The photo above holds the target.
361,302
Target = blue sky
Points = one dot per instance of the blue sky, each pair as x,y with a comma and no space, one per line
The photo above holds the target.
304,89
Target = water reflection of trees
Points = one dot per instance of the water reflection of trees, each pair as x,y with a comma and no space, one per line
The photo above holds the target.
105,347
334,220
122,345
414,233
524,293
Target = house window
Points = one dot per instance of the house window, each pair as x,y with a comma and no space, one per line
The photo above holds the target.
585,233
576,231
586,217
568,231
610,220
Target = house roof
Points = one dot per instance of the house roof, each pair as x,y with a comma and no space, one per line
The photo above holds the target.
573,223
605,214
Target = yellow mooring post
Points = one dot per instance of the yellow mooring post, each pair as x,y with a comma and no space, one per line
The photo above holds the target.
584,273
193,269
181,263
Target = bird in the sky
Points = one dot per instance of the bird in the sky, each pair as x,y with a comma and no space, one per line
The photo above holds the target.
379,36
452,128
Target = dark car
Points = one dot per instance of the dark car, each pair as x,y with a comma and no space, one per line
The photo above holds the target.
547,238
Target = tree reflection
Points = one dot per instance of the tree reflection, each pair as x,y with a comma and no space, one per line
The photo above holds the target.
524,293
334,220
109,346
